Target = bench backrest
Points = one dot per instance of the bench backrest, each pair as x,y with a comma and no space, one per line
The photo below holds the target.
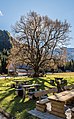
44,92
69,87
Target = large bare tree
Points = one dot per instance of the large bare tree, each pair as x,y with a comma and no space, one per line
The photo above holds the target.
38,37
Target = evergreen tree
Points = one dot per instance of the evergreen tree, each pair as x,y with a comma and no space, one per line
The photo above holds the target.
3,56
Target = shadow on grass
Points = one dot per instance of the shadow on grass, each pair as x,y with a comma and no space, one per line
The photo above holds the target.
6,94
41,81
17,107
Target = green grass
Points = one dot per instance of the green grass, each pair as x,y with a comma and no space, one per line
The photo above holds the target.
18,107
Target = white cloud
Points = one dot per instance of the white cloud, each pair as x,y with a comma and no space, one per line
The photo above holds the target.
1,14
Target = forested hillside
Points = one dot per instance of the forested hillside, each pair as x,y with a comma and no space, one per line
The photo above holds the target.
4,40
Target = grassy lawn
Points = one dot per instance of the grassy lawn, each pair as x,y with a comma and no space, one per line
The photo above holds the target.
15,105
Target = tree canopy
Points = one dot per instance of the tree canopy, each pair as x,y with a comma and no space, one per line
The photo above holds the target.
38,37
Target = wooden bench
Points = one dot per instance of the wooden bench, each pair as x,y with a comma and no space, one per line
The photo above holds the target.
32,89
38,94
42,93
69,87
41,105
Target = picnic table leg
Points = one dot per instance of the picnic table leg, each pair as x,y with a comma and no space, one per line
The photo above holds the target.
24,93
57,108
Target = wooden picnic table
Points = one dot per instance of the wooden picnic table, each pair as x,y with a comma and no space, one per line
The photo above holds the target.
60,83
58,101
58,78
31,85
25,87
21,81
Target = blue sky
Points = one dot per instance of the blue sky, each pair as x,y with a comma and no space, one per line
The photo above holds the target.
11,10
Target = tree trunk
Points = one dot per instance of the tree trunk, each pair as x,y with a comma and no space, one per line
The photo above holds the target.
36,72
